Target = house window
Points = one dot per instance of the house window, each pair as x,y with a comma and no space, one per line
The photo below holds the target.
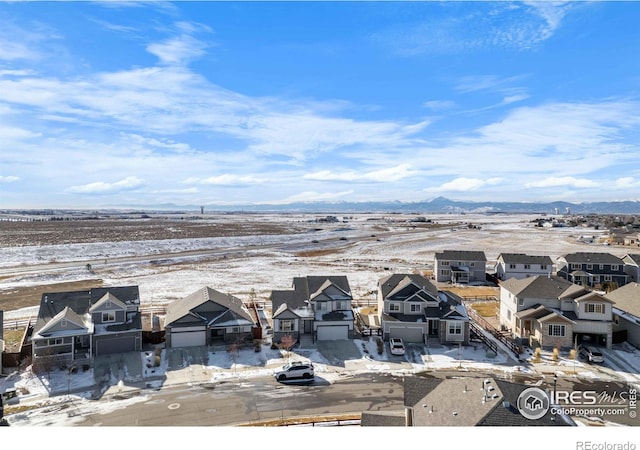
109,316
445,272
607,278
601,267
575,266
512,266
235,329
508,314
589,266
472,264
527,266
445,263
597,308
394,307
455,328
63,323
556,330
520,302
286,325
415,308
543,267
56,341
614,268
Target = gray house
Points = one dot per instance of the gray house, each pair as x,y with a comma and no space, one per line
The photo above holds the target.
592,269
460,266
76,326
632,266
207,317
318,306
412,308
626,313
519,265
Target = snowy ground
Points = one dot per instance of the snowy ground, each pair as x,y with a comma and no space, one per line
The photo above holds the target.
374,247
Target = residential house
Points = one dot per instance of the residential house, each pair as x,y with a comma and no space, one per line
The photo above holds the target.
552,312
626,313
318,307
79,325
460,266
632,266
207,317
412,308
519,265
592,269
464,402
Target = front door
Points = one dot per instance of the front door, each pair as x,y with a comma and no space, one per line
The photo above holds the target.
433,328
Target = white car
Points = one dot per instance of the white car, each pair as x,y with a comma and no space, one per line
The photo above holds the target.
397,346
592,354
294,370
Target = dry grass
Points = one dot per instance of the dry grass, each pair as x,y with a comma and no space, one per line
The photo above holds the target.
25,296
486,309
312,253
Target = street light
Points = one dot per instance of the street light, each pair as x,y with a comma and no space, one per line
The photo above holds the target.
555,382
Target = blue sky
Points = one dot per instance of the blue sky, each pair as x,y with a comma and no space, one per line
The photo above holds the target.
111,104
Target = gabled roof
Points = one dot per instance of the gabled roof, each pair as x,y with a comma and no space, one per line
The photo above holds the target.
521,258
593,296
461,255
635,257
70,316
626,298
108,297
542,287
304,288
183,307
80,302
591,258
396,282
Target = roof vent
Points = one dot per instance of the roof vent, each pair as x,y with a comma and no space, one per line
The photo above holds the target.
506,404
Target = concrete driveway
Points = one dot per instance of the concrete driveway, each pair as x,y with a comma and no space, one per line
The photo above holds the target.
337,352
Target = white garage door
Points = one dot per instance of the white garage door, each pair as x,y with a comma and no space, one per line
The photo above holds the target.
333,333
188,339
406,334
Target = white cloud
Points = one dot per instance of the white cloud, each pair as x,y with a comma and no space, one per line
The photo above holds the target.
627,183
464,184
178,50
438,105
227,180
563,181
391,174
311,196
100,187
8,179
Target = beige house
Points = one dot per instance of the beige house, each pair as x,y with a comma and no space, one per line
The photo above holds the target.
552,312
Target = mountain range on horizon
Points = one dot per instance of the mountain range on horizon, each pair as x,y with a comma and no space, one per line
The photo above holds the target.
436,205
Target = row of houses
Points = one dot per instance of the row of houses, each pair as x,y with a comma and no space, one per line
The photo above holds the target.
536,310
590,269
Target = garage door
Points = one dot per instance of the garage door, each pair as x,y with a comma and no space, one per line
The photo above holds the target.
188,339
122,344
333,333
407,334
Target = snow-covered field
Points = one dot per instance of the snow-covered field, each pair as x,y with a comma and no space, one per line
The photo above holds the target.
373,246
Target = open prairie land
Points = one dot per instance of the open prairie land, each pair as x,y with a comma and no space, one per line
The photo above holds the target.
248,255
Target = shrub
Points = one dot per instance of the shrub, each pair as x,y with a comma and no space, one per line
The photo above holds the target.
556,354
536,355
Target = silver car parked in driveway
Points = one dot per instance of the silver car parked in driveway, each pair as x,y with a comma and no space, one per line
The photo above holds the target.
591,354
